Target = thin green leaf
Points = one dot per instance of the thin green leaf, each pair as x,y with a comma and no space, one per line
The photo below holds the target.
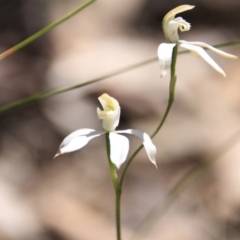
45,30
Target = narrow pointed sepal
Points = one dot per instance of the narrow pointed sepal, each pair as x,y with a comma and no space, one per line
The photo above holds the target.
77,140
57,154
216,50
202,53
146,141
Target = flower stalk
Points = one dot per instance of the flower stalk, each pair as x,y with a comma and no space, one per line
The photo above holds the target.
171,90
118,212
170,102
117,187
113,172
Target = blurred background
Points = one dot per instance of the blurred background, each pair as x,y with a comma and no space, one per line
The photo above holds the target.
72,197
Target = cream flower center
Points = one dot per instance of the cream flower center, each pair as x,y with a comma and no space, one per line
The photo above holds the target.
110,113
183,25
173,26
109,104
105,114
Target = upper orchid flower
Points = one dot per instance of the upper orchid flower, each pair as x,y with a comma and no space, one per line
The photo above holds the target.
170,28
119,144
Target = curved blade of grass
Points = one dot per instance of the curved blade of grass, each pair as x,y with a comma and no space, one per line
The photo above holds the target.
162,206
50,93
45,30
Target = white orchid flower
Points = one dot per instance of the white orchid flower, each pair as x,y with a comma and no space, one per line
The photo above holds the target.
170,28
119,144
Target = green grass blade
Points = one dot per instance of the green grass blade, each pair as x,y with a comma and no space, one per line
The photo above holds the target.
50,93
45,30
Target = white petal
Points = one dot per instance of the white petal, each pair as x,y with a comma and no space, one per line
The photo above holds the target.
165,57
201,52
77,139
119,147
147,143
216,50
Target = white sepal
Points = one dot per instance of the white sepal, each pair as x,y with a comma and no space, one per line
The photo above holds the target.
119,147
77,139
165,57
146,141
216,50
202,53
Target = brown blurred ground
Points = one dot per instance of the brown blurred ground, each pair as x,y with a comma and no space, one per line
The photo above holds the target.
72,197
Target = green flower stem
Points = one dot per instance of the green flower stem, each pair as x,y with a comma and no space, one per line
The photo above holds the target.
45,30
162,206
171,89
49,93
117,187
113,171
118,212
170,102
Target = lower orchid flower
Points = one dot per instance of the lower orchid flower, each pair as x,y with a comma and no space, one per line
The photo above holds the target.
119,144
170,28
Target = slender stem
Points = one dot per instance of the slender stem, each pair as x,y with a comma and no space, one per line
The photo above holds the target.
117,187
49,93
171,90
118,212
45,30
170,102
112,168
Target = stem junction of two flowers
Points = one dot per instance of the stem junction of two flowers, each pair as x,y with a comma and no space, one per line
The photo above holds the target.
118,184
168,57
110,114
